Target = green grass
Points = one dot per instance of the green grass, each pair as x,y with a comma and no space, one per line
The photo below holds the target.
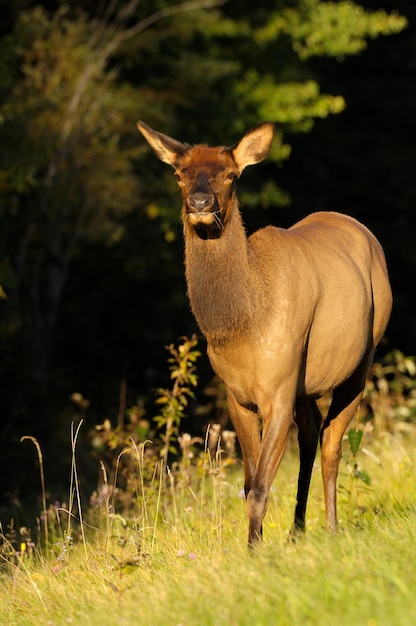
187,562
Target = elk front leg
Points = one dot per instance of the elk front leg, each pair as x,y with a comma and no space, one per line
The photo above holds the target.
246,425
275,434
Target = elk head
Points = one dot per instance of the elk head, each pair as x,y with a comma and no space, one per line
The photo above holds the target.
207,175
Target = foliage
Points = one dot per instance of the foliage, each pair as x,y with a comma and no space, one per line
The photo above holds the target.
358,479
276,83
392,401
90,237
337,28
69,116
388,406
66,167
181,534
390,397
138,440
181,569
174,402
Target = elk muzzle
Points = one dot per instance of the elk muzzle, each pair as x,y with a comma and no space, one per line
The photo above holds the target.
201,207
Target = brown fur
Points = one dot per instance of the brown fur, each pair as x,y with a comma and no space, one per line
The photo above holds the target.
289,315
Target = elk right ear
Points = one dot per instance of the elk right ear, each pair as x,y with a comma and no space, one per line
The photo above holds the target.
167,149
254,146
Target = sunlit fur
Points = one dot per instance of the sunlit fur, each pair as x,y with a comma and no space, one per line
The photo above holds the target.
288,315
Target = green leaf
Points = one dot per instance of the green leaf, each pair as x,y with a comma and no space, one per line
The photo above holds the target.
364,476
354,438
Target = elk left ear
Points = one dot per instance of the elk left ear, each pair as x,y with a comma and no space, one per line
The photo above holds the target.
254,146
168,150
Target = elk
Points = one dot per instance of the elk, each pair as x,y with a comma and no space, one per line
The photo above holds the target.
288,314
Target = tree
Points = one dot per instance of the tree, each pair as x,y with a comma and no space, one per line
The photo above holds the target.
88,219
67,173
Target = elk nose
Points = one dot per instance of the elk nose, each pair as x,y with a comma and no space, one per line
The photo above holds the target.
200,201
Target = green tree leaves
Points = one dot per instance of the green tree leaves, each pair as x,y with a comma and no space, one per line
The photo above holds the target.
337,29
333,29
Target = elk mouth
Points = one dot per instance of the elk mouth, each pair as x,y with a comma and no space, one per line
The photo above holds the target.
205,218
207,224
203,213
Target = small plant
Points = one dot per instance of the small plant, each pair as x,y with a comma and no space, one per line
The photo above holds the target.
16,546
354,439
388,406
174,401
132,452
390,397
359,482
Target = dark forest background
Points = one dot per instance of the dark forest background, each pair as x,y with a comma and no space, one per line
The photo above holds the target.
91,276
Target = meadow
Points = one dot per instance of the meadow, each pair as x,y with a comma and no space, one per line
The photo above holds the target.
174,553
183,559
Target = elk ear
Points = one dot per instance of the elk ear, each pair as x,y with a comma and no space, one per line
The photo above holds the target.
167,149
254,146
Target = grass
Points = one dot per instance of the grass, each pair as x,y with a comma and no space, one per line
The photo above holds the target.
181,558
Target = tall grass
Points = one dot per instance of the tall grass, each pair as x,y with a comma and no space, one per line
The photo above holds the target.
176,554
190,565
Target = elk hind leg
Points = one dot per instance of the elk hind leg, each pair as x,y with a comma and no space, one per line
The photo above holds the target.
308,419
345,402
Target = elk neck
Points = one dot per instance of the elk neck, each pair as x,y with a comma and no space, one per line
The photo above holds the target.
225,284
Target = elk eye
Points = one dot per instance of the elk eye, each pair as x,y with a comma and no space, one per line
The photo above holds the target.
177,176
231,176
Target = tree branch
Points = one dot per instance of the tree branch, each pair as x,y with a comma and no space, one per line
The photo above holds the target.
97,60
193,5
